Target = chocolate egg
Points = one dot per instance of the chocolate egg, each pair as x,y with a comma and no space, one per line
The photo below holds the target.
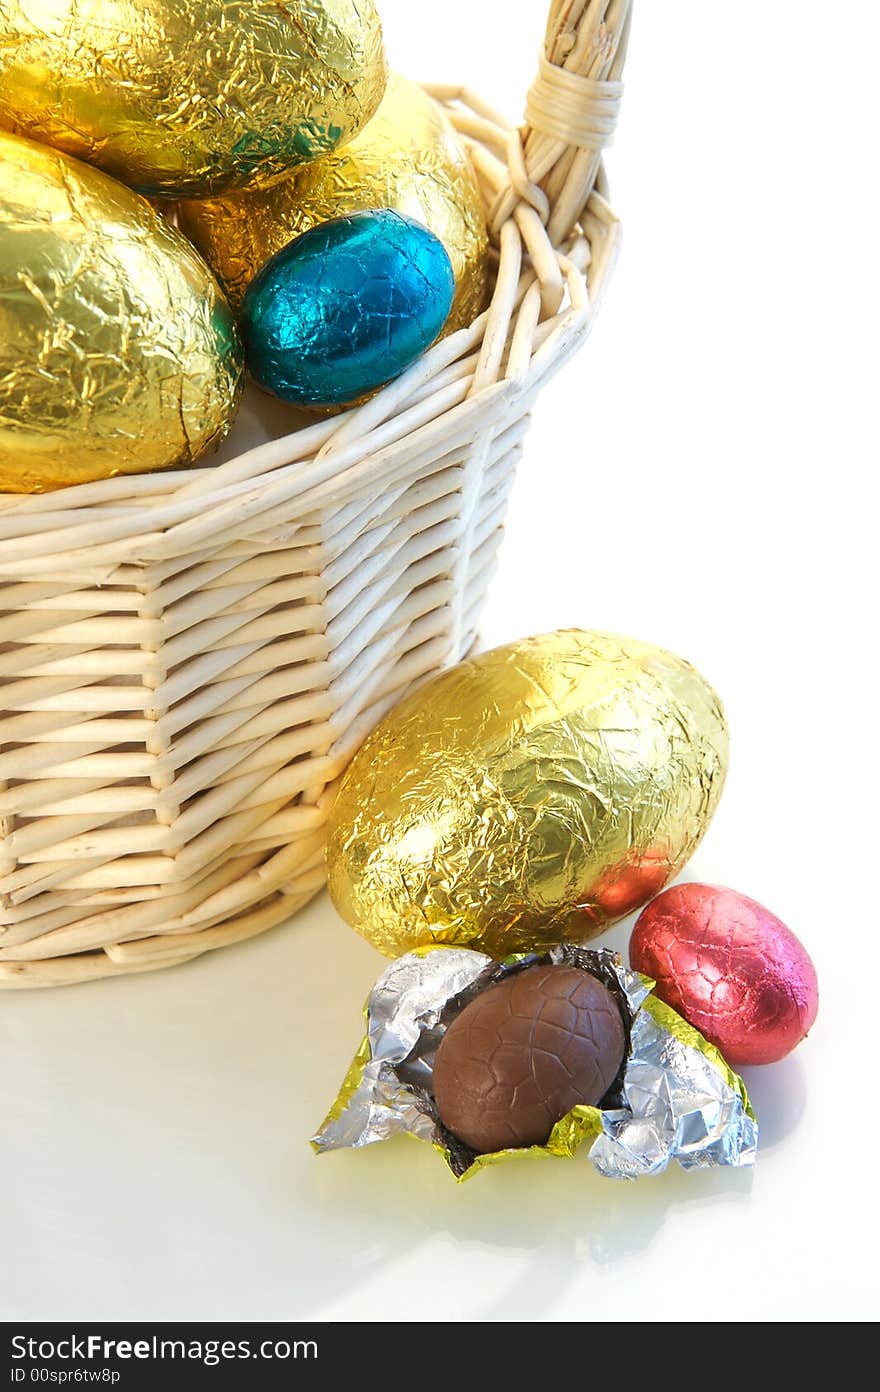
523,1053
346,308
731,968
526,797
408,158
118,351
185,98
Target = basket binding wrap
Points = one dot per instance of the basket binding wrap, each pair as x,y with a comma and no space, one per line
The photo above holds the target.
188,659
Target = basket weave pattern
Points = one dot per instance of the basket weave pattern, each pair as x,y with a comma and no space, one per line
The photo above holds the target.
189,659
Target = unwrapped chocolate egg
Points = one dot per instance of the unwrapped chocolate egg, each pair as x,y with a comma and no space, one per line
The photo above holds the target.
528,796
409,158
118,350
346,308
184,98
731,968
523,1053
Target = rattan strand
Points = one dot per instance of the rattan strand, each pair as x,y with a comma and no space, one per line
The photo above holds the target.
189,659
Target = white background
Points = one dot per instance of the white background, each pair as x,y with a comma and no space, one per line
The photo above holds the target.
703,477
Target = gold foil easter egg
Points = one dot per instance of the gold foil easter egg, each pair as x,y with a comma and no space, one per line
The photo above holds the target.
184,98
529,796
409,158
118,350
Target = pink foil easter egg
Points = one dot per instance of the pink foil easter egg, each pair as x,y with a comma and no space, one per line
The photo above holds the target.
731,968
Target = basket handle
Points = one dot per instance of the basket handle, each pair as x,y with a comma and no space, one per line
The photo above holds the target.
571,113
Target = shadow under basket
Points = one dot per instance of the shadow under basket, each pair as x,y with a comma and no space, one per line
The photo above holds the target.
189,659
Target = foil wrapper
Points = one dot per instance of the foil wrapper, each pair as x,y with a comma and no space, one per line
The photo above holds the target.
408,159
118,350
184,98
731,968
678,1099
529,796
346,308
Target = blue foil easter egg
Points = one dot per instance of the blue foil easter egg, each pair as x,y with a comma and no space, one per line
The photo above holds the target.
346,307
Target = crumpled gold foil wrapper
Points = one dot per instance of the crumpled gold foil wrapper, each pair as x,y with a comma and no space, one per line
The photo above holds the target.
118,351
409,158
677,1101
185,98
529,796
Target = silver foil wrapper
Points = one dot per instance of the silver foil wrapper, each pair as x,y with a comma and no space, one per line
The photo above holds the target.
678,1101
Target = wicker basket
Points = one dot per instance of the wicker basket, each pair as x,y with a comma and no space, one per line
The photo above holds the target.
189,659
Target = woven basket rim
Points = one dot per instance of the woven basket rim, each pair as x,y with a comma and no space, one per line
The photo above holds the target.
189,658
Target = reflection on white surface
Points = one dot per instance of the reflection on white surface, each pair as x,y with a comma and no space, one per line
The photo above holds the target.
155,1164
154,1160
778,1095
